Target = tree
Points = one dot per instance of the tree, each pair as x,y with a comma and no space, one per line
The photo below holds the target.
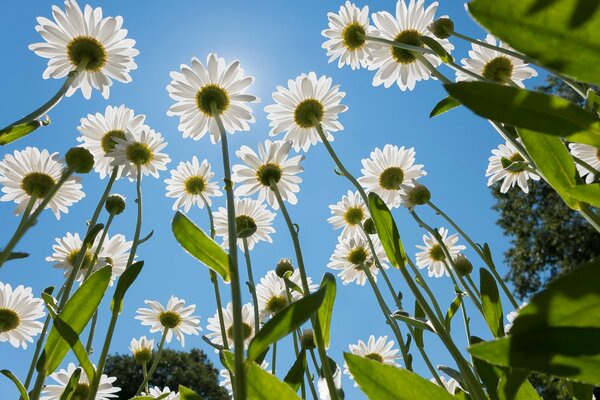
191,369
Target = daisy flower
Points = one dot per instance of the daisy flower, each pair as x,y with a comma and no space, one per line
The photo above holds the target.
65,253
449,384
157,392
517,174
271,163
322,387
432,257
191,184
590,155
305,100
346,36
115,252
106,390
350,253
176,317
349,213
225,375
196,88
252,219
388,170
141,349
32,172
98,46
398,65
214,325
511,318
380,349
272,295
140,148
19,312
98,133
494,65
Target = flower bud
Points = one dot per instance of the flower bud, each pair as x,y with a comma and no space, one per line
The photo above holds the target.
463,265
307,340
442,28
115,204
80,160
369,226
416,195
283,266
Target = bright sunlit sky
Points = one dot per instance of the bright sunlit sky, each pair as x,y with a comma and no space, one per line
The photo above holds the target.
275,41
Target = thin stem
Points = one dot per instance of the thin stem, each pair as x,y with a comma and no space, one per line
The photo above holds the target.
109,221
587,166
467,329
145,376
154,362
423,283
138,224
432,69
239,384
296,339
104,354
37,387
88,346
47,106
472,284
6,252
588,213
393,43
36,354
102,201
252,287
274,358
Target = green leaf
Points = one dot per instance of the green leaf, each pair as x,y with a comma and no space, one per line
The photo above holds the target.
554,161
326,310
264,386
381,381
513,385
71,386
490,299
188,394
452,310
200,246
419,314
585,193
284,322
513,166
90,237
295,375
16,256
17,382
417,323
123,284
227,359
444,105
12,133
536,111
387,231
489,374
561,35
452,373
437,48
582,391
76,313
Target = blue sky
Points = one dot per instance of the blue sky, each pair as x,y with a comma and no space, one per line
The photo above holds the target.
275,41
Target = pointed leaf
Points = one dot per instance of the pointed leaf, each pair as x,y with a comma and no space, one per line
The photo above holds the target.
490,299
454,306
326,309
589,194
513,385
12,133
489,374
387,231
264,386
382,381
16,256
200,246
452,373
295,375
284,322
417,323
419,314
71,386
123,284
434,45
188,394
17,382
444,105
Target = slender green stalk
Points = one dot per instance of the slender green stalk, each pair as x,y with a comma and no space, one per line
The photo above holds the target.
587,166
102,201
109,221
47,106
88,346
145,376
305,289
37,387
104,354
423,283
393,43
33,216
213,279
467,329
252,285
24,218
474,298
138,225
432,69
38,349
273,358
479,252
239,384
472,284
590,215
154,362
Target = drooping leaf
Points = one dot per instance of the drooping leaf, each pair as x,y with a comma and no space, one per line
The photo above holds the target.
12,133
17,382
123,284
264,386
284,322
419,314
381,381
71,386
17,255
200,246
444,105
527,109
188,394
326,310
554,161
490,299
295,375
417,323
561,35
454,306
76,313
387,231
434,45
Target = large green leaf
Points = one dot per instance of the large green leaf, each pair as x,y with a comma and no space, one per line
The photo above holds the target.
188,394
264,386
17,382
387,231
381,381
12,133
295,375
326,310
76,313
586,193
513,385
284,322
489,374
123,284
490,300
561,35
201,246
536,111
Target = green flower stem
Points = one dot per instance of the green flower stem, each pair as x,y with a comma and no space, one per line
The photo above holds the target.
102,201
19,233
239,384
47,106
109,221
423,283
154,363
252,286
393,43
473,285
467,329
587,166
590,215
145,376
88,345
300,260
273,358
214,280
6,252
138,225
463,287
431,68
37,387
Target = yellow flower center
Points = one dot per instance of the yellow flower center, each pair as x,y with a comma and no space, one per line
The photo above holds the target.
353,36
209,95
89,49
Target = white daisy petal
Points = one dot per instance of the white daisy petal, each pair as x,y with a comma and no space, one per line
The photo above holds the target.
509,177
19,315
379,349
214,325
106,390
432,255
190,184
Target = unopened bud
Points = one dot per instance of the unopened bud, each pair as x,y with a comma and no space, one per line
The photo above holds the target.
284,266
80,160
442,28
463,265
115,204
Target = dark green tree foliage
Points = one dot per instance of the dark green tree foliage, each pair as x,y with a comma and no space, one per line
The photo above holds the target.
191,369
